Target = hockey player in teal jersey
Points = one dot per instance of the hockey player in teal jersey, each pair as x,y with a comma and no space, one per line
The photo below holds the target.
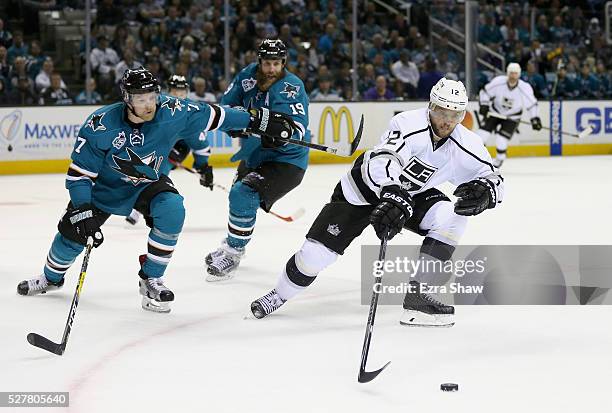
269,168
178,87
117,165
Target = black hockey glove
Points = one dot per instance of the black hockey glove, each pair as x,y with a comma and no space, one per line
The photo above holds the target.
536,123
179,152
265,122
85,224
474,197
206,176
271,142
484,110
395,208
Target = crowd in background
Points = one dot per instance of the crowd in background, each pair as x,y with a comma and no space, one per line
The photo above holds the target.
564,57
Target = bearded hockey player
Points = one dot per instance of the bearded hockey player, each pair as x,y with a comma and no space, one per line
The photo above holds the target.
502,103
393,187
269,169
120,148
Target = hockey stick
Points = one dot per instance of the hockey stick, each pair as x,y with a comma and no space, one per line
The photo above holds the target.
42,342
367,376
586,132
335,151
293,217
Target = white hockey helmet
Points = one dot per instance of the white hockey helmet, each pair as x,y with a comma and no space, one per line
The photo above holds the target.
513,68
449,94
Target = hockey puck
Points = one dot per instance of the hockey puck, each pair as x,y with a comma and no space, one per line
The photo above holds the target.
449,387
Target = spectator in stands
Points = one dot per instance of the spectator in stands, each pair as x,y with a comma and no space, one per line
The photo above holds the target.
36,59
536,54
380,91
18,69
413,36
187,46
399,46
326,41
56,94
407,73
488,33
524,30
380,67
6,38
43,79
325,91
150,12
145,40
173,22
593,30
103,61
19,48
128,62
429,77
542,29
122,40
536,80
95,97
200,94
419,54
446,66
377,48
400,23
367,80
108,13
564,86
604,79
558,32
588,85
23,93
5,67
370,28
4,95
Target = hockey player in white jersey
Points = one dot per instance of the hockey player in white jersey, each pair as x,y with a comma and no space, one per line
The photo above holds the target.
393,187
502,103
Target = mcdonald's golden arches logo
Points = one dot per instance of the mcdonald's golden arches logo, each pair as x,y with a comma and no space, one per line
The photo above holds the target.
336,119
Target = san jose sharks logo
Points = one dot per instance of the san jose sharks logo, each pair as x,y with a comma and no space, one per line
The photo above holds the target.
173,104
137,169
248,84
291,90
95,123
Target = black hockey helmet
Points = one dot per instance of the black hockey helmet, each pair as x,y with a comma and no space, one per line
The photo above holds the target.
138,81
178,82
270,49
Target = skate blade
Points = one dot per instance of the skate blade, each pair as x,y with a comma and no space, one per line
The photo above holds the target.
413,318
216,278
219,277
155,306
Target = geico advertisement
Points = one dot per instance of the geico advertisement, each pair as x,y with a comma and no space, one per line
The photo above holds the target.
578,115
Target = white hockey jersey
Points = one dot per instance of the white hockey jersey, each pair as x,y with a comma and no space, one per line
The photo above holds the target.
509,102
408,156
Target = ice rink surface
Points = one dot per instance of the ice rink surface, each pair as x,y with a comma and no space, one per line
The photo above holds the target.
206,357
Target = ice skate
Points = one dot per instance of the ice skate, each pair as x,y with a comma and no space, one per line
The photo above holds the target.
497,163
266,304
38,285
223,262
422,310
155,295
